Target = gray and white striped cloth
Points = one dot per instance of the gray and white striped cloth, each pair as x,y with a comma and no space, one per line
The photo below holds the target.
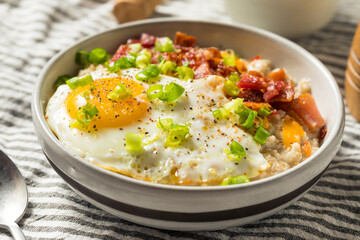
32,31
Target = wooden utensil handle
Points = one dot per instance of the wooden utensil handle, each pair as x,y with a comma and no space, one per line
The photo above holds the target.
130,10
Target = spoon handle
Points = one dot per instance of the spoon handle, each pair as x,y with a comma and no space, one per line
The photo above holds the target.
14,230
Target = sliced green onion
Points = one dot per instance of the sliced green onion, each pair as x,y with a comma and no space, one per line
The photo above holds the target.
235,180
61,80
85,116
229,60
237,149
219,113
120,92
231,89
98,56
234,105
167,66
86,95
143,59
154,91
164,44
261,122
149,139
148,73
246,118
82,119
184,72
261,135
171,92
264,111
229,107
122,63
160,58
81,58
234,77
92,88
134,47
76,81
76,124
165,123
235,152
134,142
89,110
177,135
240,179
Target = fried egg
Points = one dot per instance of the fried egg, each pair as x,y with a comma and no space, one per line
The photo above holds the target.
200,160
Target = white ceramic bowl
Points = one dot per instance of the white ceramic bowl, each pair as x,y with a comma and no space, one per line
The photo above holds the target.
289,18
182,207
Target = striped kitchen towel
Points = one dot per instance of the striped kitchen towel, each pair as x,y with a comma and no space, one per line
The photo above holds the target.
32,31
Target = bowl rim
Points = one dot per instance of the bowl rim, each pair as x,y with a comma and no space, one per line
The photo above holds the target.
38,115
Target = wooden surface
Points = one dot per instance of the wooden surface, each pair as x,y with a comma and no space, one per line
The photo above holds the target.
352,76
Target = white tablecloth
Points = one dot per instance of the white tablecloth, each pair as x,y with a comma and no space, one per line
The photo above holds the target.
32,31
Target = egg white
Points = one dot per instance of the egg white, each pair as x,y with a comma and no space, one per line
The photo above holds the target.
200,159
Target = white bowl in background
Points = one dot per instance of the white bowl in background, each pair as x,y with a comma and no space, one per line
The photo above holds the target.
189,207
289,18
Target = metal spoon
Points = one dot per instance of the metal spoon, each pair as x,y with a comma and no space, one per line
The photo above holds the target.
13,196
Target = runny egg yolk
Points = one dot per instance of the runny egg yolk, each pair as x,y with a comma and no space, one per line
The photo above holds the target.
112,113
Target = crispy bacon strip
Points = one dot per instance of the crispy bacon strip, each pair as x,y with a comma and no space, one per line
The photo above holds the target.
184,40
304,108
